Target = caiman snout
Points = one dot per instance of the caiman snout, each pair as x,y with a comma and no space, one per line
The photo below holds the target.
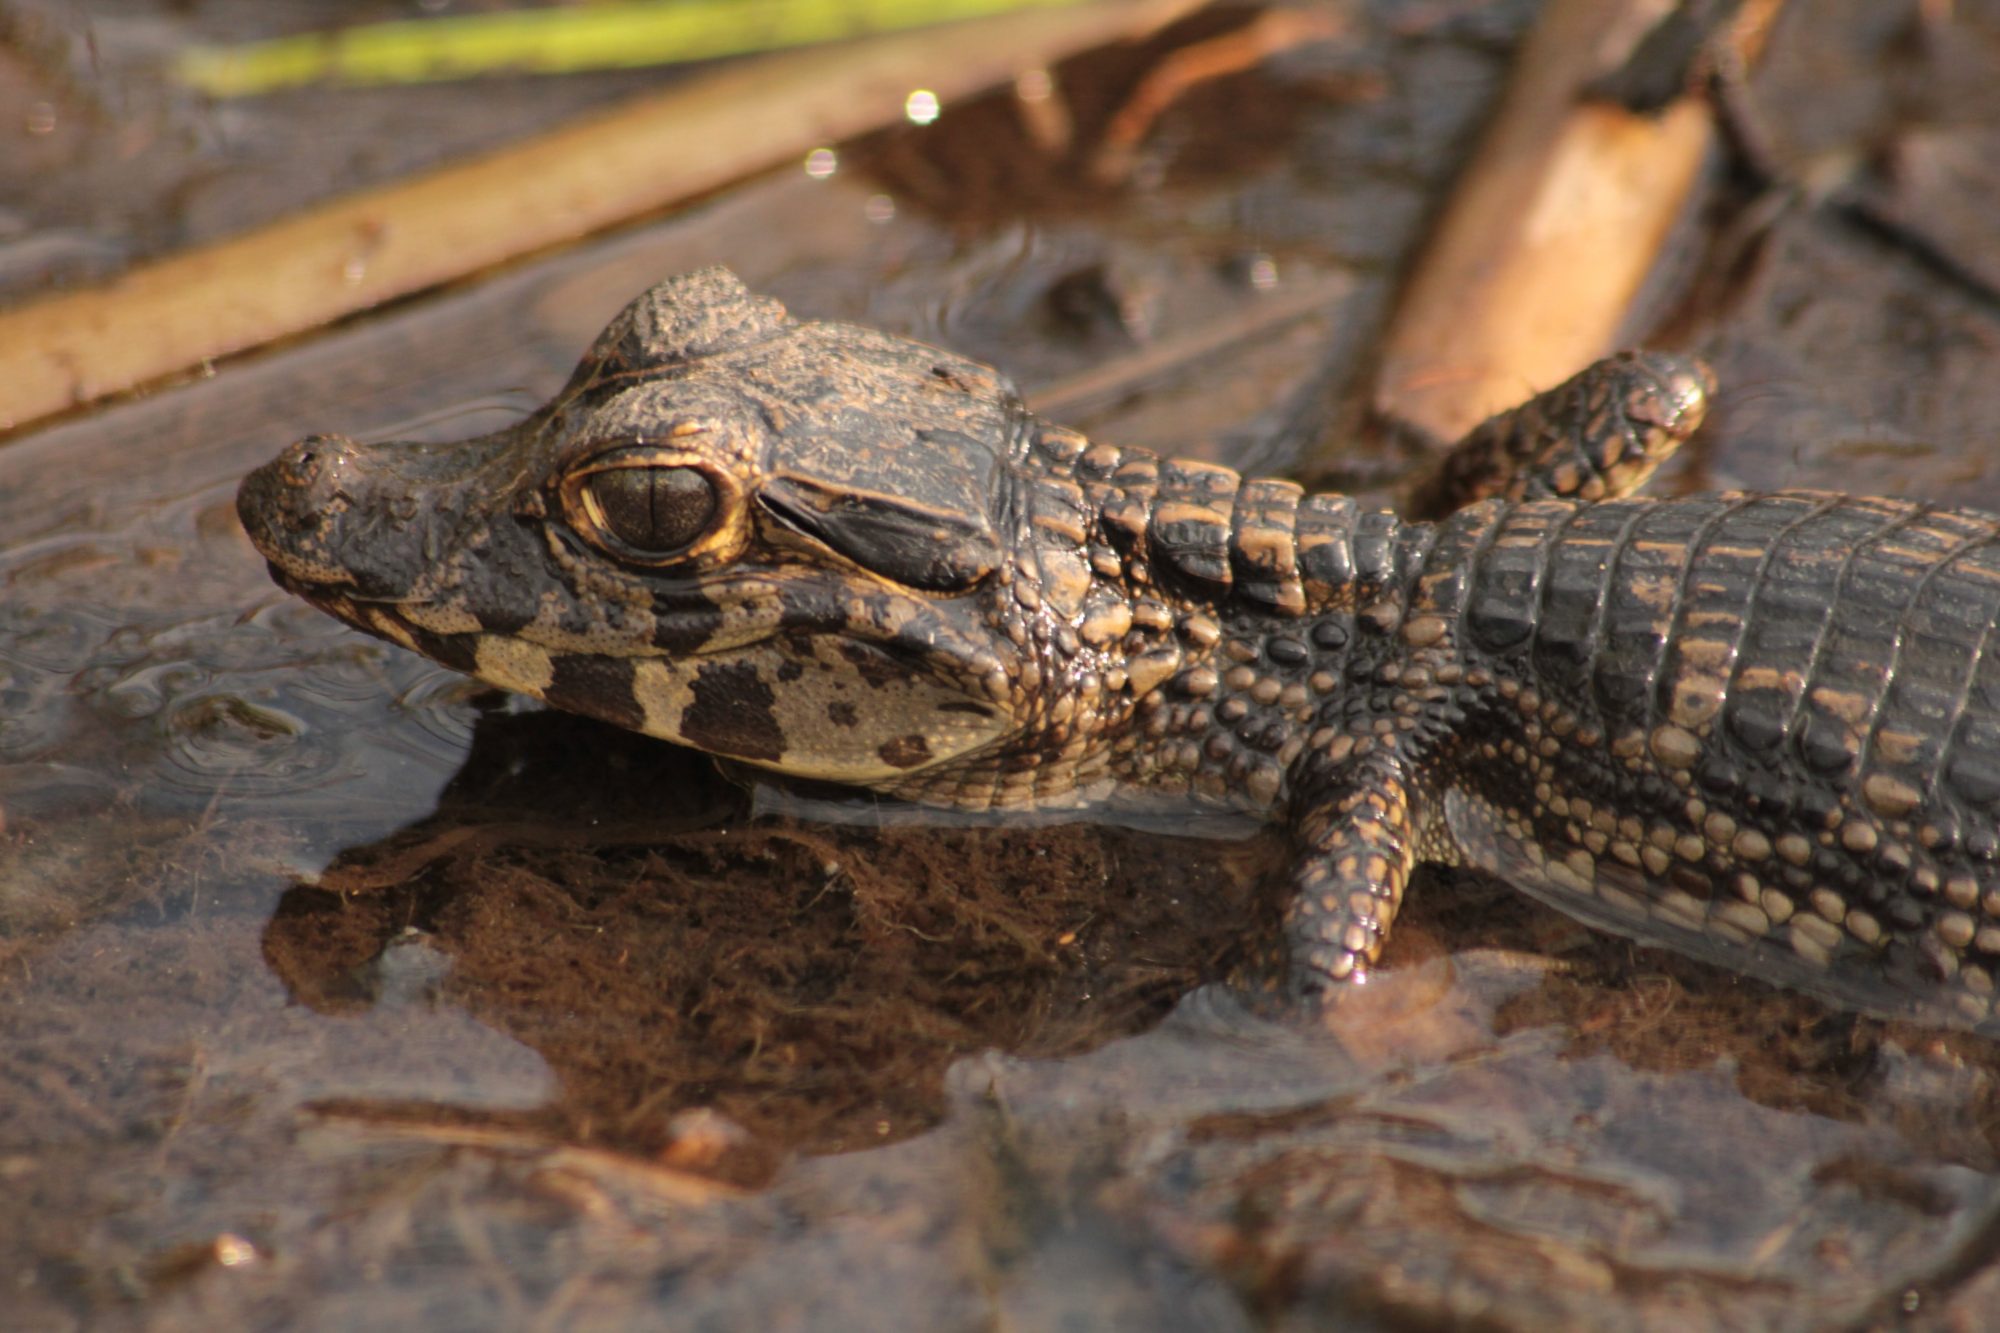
294,491
326,512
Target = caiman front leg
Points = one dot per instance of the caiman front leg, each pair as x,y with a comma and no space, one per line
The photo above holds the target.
1362,805
1596,436
1357,845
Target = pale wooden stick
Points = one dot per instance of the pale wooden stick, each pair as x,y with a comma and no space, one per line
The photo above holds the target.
1553,228
62,351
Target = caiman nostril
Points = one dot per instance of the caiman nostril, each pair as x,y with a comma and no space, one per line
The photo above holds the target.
318,456
289,496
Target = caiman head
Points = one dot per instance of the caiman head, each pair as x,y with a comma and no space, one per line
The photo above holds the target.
783,542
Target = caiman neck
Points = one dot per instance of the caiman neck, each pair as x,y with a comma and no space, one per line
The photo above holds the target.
1144,594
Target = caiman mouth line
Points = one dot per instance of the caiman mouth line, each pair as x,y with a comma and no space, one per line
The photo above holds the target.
312,590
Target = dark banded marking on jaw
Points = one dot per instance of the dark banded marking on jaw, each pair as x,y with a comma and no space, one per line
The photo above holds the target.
730,713
688,627
905,751
600,687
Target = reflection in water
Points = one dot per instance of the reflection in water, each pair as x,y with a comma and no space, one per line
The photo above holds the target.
597,896
1535,1121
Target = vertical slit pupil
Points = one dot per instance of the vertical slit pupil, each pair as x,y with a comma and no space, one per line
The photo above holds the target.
654,509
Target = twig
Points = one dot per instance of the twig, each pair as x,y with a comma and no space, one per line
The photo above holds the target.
1533,269
63,351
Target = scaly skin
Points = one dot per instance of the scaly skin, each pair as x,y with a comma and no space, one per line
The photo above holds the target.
1762,729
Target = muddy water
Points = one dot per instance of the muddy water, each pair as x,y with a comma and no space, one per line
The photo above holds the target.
337,991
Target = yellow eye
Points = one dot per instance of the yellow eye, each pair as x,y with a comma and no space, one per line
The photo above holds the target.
653,511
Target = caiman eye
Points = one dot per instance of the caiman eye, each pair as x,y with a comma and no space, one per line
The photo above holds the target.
656,502
655,511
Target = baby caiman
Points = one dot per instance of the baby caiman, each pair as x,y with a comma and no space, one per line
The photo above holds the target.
1762,729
